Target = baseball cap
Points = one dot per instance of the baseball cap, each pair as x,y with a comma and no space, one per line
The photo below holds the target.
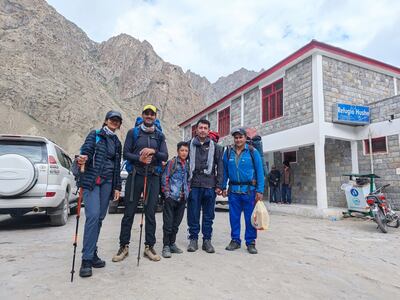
113,114
239,130
151,107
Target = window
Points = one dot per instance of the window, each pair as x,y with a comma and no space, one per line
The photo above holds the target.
378,145
290,156
224,122
272,101
194,127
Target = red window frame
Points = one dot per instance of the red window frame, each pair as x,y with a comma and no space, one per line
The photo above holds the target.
194,127
379,145
224,121
272,101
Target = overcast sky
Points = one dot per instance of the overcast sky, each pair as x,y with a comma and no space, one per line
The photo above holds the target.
215,38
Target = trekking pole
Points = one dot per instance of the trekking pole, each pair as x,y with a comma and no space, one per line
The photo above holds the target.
144,203
78,214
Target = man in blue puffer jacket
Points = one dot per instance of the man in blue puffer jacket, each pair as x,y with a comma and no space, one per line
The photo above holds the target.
175,185
244,170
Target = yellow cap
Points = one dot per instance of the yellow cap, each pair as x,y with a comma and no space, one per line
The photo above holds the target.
151,107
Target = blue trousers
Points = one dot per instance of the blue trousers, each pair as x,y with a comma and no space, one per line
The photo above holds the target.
286,194
273,193
201,199
239,203
96,205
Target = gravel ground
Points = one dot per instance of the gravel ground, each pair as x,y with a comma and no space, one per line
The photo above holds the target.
299,258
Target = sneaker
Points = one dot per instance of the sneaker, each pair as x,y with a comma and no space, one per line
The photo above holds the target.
174,249
233,245
251,248
193,246
97,262
123,252
207,246
86,268
151,254
166,252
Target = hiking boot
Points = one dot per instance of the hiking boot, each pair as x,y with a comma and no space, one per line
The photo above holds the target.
251,248
174,249
97,262
123,252
86,268
193,246
207,246
233,245
151,253
166,252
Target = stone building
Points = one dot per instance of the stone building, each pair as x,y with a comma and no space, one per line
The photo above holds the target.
299,108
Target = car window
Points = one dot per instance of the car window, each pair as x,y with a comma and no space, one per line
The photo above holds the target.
34,151
68,161
61,157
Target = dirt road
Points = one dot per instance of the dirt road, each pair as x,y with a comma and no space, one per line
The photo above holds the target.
299,258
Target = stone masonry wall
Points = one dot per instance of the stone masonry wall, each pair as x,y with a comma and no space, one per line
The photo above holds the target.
337,163
385,165
297,100
187,132
235,112
346,83
382,109
303,190
252,108
212,117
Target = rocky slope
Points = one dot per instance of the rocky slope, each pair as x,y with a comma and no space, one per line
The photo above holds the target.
56,82
212,92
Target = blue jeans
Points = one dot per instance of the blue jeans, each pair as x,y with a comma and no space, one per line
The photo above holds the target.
273,193
201,199
96,205
286,194
239,203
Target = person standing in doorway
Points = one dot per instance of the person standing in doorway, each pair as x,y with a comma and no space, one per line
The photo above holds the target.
206,174
274,181
287,183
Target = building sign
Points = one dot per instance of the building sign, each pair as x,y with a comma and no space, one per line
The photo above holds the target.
351,114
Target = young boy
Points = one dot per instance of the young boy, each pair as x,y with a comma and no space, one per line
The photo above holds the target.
175,185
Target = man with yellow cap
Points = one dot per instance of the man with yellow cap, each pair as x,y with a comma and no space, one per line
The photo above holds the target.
144,150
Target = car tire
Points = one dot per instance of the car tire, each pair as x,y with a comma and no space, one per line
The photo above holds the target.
61,218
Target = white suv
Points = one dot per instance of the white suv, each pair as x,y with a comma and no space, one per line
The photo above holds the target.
35,175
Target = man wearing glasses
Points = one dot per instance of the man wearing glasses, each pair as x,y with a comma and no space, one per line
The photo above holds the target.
144,149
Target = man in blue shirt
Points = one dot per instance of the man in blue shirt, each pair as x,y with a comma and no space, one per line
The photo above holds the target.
244,169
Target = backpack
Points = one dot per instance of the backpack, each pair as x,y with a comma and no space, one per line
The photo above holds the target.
214,136
136,133
256,142
174,165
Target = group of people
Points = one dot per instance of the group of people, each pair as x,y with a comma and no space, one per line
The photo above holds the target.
193,178
280,184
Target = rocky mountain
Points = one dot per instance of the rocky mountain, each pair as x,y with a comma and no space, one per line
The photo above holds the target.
212,92
56,82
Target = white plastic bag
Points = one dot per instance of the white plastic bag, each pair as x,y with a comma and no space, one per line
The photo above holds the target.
260,216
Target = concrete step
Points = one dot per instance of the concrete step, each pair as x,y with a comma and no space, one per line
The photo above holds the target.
311,211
